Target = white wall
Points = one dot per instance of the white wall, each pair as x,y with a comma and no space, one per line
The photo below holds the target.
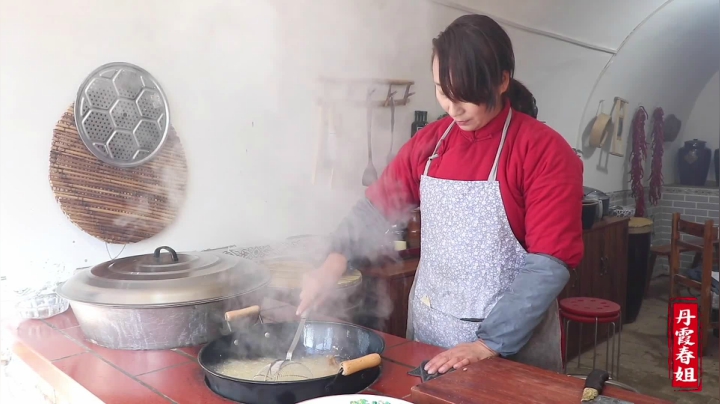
704,121
239,77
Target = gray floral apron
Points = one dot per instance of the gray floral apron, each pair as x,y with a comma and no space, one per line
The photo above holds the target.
469,258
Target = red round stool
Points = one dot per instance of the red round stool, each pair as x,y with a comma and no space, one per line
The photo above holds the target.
589,307
591,310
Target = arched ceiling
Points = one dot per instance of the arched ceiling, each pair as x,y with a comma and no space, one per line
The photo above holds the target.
655,53
665,63
603,23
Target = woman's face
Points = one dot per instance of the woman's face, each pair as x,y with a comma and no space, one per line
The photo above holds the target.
469,117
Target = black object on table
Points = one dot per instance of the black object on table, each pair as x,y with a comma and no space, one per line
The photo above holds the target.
424,375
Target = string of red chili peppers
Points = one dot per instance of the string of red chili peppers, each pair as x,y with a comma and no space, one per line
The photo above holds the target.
639,154
637,157
656,177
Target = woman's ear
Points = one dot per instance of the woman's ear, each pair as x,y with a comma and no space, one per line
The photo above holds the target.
505,83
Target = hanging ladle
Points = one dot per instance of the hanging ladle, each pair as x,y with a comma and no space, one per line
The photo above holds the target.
391,101
370,175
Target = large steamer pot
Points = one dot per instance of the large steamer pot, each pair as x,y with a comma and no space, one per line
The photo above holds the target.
162,300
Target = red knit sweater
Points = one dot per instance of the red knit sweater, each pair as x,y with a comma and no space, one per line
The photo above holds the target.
541,179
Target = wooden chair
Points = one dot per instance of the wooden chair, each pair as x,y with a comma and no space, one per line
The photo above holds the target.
662,250
709,237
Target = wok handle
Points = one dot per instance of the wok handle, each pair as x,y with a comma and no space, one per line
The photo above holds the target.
170,250
362,363
246,312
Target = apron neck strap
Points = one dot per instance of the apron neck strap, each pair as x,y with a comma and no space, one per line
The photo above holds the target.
493,171
434,154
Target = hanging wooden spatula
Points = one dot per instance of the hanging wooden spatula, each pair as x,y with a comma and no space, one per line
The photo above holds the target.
321,141
618,143
370,174
391,155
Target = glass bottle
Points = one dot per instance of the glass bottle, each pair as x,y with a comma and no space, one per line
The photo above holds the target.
419,122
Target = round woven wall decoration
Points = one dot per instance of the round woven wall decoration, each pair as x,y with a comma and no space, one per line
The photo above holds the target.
116,205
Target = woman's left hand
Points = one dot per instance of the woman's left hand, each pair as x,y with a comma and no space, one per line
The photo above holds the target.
459,356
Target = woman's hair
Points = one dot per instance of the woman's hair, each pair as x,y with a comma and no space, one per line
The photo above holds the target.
473,53
521,99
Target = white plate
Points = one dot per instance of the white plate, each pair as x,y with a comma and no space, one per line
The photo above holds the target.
355,399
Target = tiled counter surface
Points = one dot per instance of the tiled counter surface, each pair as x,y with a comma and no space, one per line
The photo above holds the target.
81,372
76,371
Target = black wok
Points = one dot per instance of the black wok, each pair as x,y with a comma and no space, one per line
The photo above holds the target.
344,341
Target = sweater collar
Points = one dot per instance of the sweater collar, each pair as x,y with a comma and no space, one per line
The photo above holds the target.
492,128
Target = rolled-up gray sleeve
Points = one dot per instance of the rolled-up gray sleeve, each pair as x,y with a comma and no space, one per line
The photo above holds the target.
522,307
362,233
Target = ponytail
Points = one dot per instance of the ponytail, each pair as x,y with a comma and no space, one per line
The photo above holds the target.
521,99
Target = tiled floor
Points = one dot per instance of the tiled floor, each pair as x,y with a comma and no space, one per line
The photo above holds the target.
644,354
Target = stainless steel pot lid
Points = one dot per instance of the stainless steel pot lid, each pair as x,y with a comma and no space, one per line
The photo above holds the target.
165,279
595,193
122,114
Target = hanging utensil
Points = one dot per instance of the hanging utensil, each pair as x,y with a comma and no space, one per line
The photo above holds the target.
321,141
370,175
332,142
598,133
671,128
391,155
618,143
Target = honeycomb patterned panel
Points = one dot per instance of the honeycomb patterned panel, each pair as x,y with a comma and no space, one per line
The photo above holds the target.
98,126
128,84
150,104
147,133
122,145
124,116
101,93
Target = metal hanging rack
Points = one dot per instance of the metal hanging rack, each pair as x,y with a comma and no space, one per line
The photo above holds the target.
337,92
349,85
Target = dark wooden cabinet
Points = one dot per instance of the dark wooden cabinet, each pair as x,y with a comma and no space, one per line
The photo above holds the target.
386,291
602,274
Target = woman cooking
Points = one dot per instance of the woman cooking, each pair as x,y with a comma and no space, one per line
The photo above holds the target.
501,198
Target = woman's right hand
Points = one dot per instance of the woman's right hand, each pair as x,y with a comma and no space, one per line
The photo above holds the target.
316,284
